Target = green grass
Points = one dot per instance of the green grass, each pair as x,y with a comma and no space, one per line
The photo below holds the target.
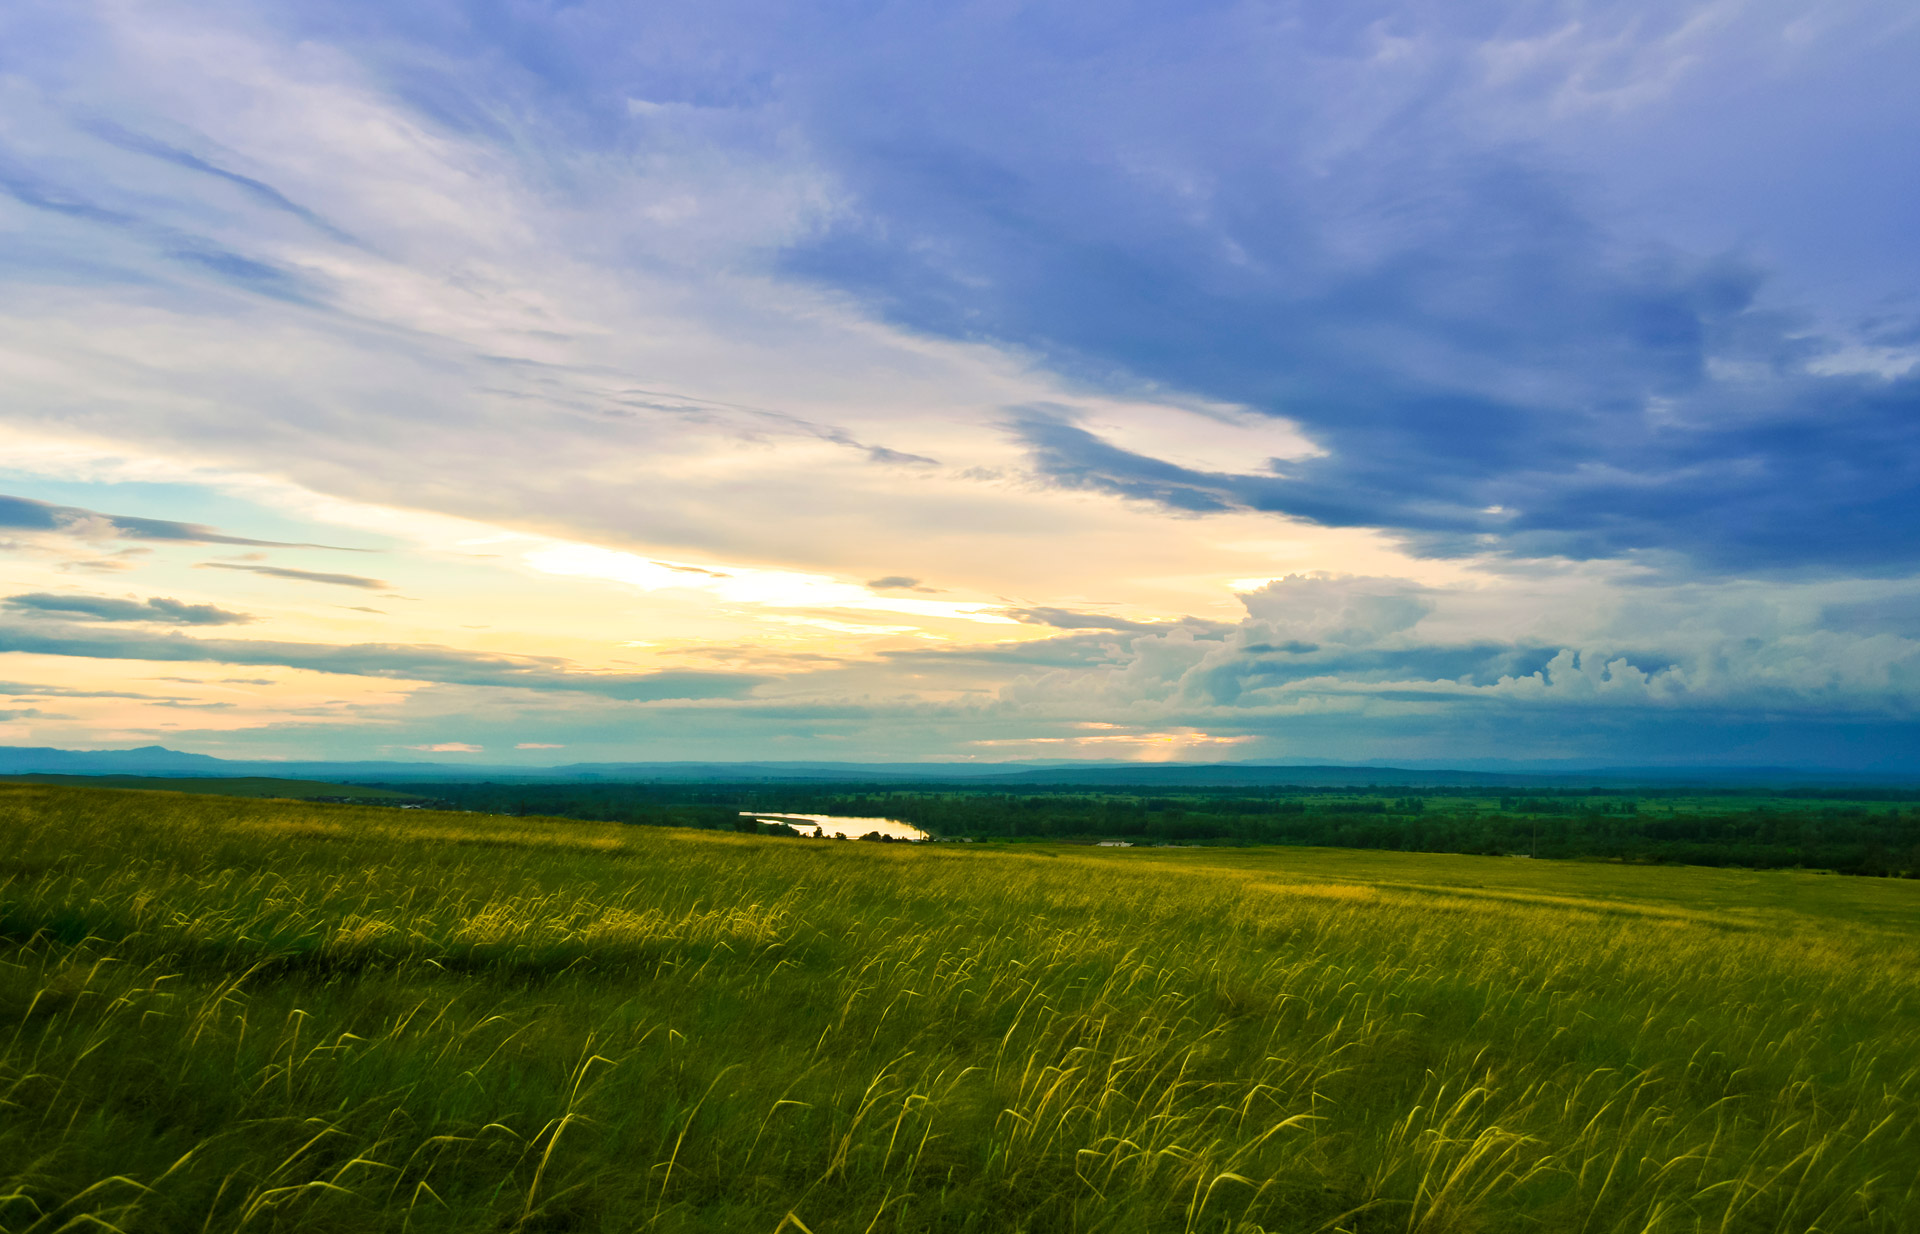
221,1014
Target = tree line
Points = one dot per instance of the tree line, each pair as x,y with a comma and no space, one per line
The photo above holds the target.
1874,835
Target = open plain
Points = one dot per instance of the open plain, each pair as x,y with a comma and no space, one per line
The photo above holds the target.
223,1014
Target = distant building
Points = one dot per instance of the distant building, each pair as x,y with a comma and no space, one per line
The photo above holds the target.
1114,844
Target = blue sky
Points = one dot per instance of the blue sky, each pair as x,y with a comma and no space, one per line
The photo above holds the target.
862,381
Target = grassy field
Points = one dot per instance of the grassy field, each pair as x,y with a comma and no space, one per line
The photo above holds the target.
220,1014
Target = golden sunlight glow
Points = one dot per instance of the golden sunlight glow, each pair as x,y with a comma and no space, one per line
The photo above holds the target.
746,585
1143,747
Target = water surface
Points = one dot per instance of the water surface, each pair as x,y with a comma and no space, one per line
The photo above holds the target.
831,825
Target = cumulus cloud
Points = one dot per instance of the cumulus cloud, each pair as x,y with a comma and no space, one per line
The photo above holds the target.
1329,609
1397,650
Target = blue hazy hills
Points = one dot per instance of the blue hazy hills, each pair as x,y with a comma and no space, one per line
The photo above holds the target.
161,761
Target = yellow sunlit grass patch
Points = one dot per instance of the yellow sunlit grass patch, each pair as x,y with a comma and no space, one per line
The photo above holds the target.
1324,891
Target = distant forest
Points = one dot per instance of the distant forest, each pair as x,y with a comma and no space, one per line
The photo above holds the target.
1865,831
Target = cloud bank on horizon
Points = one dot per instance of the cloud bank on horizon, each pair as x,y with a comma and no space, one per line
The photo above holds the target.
1145,380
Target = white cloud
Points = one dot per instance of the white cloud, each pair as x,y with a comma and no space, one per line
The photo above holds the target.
1358,611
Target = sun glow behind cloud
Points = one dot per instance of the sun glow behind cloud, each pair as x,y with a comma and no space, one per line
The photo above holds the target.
1151,746
782,589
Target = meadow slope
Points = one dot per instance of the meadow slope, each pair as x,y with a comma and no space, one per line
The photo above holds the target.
221,1014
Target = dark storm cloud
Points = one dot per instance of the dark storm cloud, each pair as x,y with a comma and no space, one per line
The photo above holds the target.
26,514
1829,484
1573,414
393,661
1487,364
159,610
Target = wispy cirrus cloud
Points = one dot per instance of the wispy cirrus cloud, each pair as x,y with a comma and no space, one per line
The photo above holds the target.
26,514
381,660
301,576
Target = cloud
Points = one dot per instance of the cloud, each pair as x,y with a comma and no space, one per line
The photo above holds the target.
158,610
186,251
1336,609
21,689
899,458
1897,613
141,143
1131,296
1068,619
995,659
538,745
449,747
393,661
1074,458
26,514
1393,649
1391,252
108,563
1398,234
302,576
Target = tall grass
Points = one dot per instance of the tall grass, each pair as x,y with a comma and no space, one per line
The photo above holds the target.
232,1015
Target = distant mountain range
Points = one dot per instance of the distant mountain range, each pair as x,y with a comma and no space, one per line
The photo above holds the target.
160,761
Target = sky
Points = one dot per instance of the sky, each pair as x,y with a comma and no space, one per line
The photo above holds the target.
508,382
